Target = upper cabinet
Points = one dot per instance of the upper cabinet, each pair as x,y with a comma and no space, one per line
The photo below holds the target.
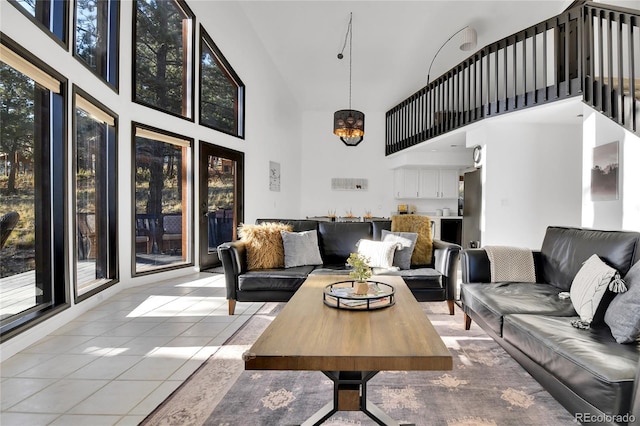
425,183
405,183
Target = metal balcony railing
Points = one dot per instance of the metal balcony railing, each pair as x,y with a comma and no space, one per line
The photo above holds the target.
591,51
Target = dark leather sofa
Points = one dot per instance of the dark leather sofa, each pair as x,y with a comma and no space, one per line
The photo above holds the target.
587,371
435,282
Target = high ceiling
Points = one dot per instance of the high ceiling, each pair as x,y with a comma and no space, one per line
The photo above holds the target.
393,43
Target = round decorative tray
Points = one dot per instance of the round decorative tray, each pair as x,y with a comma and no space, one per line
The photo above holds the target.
341,295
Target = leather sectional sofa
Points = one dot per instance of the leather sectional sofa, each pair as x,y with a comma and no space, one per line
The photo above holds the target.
587,371
435,282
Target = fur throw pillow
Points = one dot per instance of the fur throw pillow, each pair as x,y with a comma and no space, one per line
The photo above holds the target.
264,244
423,251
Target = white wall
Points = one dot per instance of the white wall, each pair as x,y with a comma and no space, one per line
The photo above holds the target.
272,131
532,179
623,212
324,157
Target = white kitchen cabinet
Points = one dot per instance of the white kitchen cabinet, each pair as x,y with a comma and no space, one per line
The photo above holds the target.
438,183
449,183
411,183
405,183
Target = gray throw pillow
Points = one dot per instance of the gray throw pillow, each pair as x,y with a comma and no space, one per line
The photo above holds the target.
301,248
402,256
623,314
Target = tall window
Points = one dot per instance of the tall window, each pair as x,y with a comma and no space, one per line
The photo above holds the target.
50,15
32,198
163,56
95,196
221,90
96,37
162,193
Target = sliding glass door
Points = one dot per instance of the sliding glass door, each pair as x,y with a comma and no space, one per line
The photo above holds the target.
221,199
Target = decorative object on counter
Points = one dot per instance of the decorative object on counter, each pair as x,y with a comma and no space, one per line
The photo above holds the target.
342,295
446,212
367,214
348,213
403,208
422,253
361,271
348,124
439,212
331,214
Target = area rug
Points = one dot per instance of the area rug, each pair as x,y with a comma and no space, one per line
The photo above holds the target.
485,387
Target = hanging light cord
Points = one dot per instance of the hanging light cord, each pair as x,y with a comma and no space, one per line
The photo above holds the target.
443,44
348,36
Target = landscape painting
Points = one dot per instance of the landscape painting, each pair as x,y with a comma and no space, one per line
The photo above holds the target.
604,172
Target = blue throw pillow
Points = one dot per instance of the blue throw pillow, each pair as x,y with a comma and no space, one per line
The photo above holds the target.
623,314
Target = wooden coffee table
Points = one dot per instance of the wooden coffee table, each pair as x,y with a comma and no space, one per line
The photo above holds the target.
350,347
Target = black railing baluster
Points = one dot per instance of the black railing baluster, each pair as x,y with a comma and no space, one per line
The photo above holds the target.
584,65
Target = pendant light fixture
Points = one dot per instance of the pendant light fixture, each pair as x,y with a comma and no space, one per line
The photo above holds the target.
348,124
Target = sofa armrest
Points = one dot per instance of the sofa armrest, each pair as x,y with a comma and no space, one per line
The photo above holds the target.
635,402
445,261
475,266
233,256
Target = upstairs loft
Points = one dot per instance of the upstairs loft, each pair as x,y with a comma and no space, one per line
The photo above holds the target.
591,50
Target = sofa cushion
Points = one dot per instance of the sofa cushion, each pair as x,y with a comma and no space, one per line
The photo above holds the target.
338,239
418,278
564,250
379,254
493,301
264,244
589,286
301,248
623,314
402,255
274,279
589,361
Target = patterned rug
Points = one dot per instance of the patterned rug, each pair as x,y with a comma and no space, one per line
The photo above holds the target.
486,387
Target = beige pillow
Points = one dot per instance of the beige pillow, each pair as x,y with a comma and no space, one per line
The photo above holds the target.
264,244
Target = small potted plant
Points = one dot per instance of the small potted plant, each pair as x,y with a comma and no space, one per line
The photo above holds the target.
360,272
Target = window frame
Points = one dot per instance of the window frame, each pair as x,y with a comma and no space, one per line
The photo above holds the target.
62,15
187,204
112,267
227,69
188,100
110,75
53,150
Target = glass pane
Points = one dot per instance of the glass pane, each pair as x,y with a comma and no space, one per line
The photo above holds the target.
87,32
91,202
221,178
28,5
160,239
18,290
161,72
219,94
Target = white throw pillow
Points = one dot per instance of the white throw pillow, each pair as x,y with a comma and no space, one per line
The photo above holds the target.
379,253
588,287
301,248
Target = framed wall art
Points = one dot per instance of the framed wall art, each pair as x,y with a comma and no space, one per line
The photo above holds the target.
604,172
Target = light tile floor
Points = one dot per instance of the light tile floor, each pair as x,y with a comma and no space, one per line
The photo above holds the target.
114,364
